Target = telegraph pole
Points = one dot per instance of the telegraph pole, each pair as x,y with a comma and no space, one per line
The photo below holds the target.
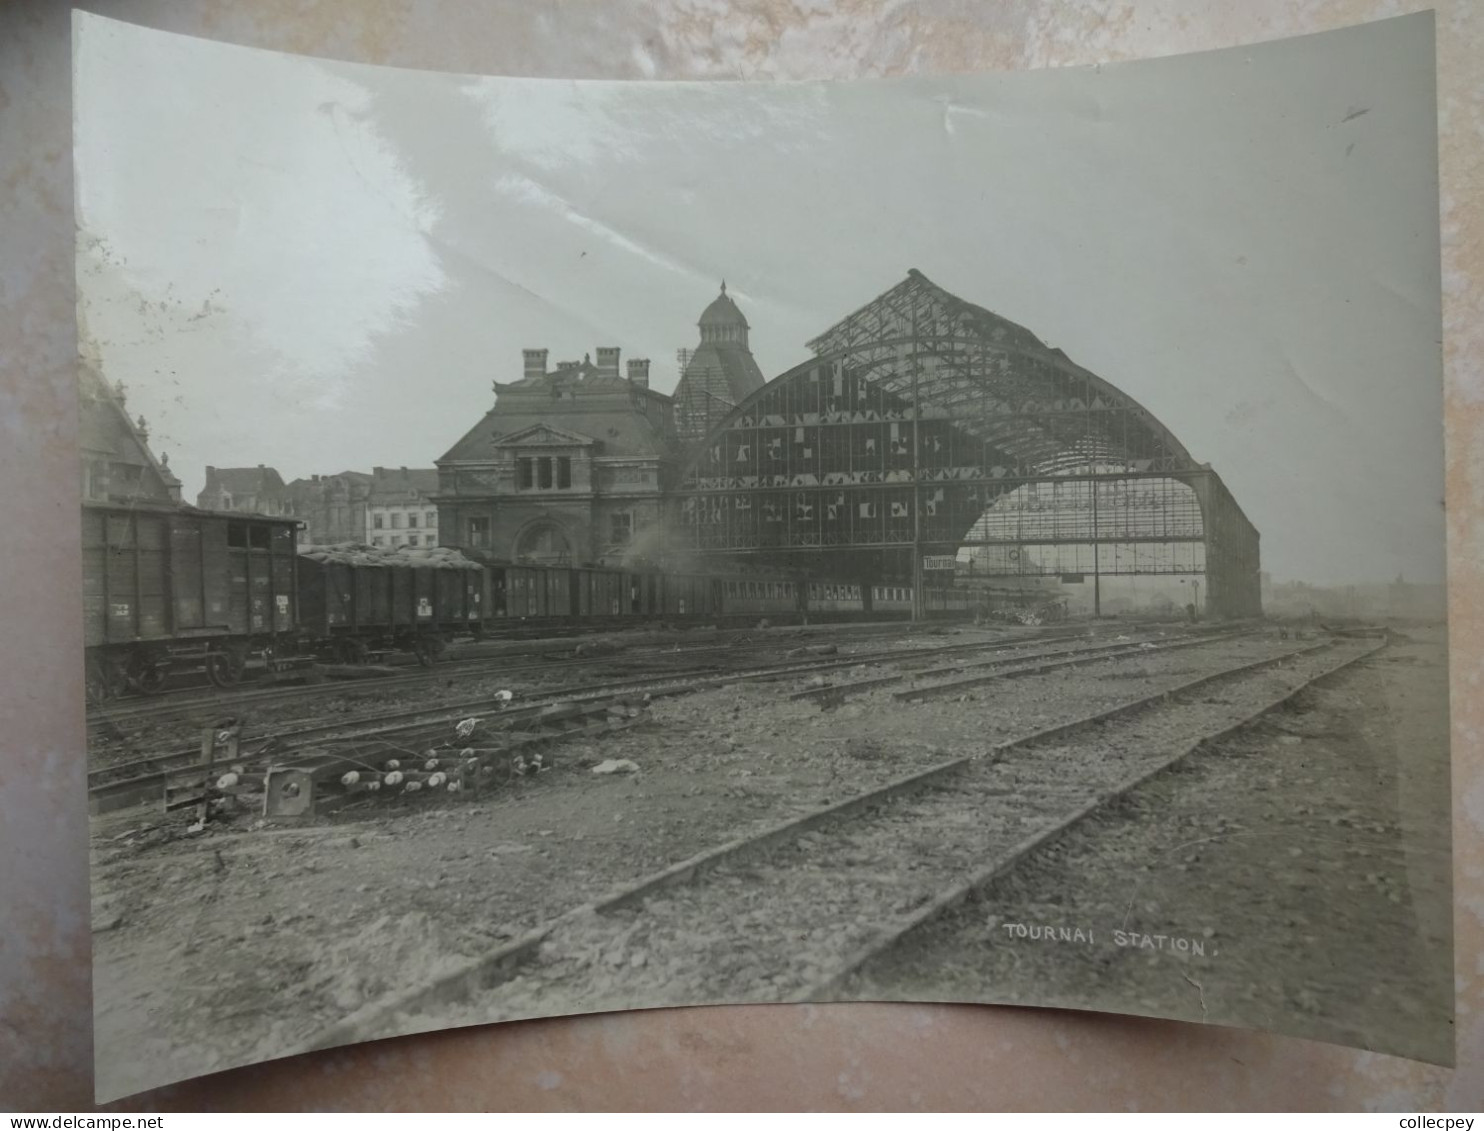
918,604
1097,580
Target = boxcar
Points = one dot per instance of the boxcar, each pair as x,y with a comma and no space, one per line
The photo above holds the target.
169,587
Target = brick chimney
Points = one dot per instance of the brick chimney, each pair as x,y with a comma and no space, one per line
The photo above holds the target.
607,361
535,362
639,372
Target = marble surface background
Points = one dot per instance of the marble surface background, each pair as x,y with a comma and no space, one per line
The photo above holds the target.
840,1057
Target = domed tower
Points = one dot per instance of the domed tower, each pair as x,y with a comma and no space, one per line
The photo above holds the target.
719,373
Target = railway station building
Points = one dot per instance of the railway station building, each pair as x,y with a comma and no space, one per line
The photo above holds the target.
927,439
719,374
570,466
926,442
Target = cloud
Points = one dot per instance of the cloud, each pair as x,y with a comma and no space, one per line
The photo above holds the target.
253,188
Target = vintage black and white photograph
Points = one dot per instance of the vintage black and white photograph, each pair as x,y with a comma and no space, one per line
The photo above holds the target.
566,546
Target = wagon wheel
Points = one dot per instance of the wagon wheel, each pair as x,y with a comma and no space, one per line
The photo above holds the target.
105,680
425,651
147,676
224,668
352,651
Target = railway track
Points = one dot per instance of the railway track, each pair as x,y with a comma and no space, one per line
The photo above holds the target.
820,896
108,783
121,783
544,662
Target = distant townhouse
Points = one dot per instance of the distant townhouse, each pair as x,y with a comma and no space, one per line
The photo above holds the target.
333,508
252,490
399,507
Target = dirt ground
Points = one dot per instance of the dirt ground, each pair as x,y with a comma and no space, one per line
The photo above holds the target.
1308,858
238,944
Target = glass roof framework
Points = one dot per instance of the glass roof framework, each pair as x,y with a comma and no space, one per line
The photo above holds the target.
922,422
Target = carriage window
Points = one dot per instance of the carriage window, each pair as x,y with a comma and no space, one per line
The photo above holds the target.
257,537
237,535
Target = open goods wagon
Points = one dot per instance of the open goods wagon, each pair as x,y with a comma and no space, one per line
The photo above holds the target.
356,600
172,587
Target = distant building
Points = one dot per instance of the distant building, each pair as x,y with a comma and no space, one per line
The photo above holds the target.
718,374
399,507
117,465
333,508
252,490
569,466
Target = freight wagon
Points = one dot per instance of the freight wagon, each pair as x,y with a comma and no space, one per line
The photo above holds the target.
170,589
166,588
356,601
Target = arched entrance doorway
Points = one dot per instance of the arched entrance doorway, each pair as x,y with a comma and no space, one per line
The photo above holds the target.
543,543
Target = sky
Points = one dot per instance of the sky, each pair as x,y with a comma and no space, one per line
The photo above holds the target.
323,266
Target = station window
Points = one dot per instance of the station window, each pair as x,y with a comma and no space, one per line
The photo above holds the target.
479,531
412,522
412,539
525,473
396,521
377,540
430,519
376,522
564,472
543,473
621,528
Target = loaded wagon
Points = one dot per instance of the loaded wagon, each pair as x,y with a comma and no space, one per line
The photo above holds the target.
167,588
357,600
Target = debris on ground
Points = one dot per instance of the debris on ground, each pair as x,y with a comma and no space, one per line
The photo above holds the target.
616,766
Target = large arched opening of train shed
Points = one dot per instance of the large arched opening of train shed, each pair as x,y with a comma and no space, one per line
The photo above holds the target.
929,434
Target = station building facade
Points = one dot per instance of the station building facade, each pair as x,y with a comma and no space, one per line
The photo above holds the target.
570,466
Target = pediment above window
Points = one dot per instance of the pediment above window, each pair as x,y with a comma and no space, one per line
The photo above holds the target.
544,436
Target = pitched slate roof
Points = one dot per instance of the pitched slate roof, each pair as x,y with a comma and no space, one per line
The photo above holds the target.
622,418
106,431
260,481
400,484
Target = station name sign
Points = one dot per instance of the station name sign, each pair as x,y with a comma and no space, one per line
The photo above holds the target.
943,562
